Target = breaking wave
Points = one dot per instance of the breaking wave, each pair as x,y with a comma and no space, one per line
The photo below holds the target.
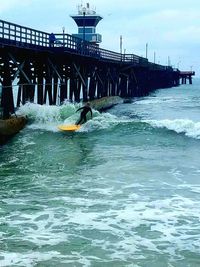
45,117
188,127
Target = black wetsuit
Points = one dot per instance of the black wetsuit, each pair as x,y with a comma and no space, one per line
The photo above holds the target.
85,109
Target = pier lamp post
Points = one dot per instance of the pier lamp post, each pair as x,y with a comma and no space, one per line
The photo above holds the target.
63,30
120,44
84,13
154,57
146,50
168,61
124,54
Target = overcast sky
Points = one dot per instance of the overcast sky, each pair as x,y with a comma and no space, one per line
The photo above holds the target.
171,28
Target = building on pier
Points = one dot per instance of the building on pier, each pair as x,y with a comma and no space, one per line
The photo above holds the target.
87,20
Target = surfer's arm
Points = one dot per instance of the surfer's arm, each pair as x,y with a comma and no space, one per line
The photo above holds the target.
79,109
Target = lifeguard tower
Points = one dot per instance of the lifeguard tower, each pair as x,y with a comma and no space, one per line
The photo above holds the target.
87,20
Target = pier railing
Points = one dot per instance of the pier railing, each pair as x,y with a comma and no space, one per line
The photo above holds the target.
19,36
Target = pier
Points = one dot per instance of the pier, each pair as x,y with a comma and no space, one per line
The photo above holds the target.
71,68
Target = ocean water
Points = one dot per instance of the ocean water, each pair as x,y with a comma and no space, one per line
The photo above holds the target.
122,191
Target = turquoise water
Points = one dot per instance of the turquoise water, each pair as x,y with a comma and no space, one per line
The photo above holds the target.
122,191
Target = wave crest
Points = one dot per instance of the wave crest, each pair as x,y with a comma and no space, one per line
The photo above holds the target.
188,127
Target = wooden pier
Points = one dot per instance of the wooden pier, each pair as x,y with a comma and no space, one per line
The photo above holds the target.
71,69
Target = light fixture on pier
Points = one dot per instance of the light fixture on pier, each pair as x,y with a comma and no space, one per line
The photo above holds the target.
84,13
63,30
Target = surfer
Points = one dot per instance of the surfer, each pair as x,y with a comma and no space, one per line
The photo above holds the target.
85,109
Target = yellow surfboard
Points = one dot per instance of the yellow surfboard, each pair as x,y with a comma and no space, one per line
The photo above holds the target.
72,127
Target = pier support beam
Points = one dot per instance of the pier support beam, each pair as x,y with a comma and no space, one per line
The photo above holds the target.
7,101
59,75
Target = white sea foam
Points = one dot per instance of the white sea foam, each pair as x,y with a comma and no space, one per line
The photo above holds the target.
41,113
40,228
99,122
188,127
45,117
130,226
25,259
158,100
